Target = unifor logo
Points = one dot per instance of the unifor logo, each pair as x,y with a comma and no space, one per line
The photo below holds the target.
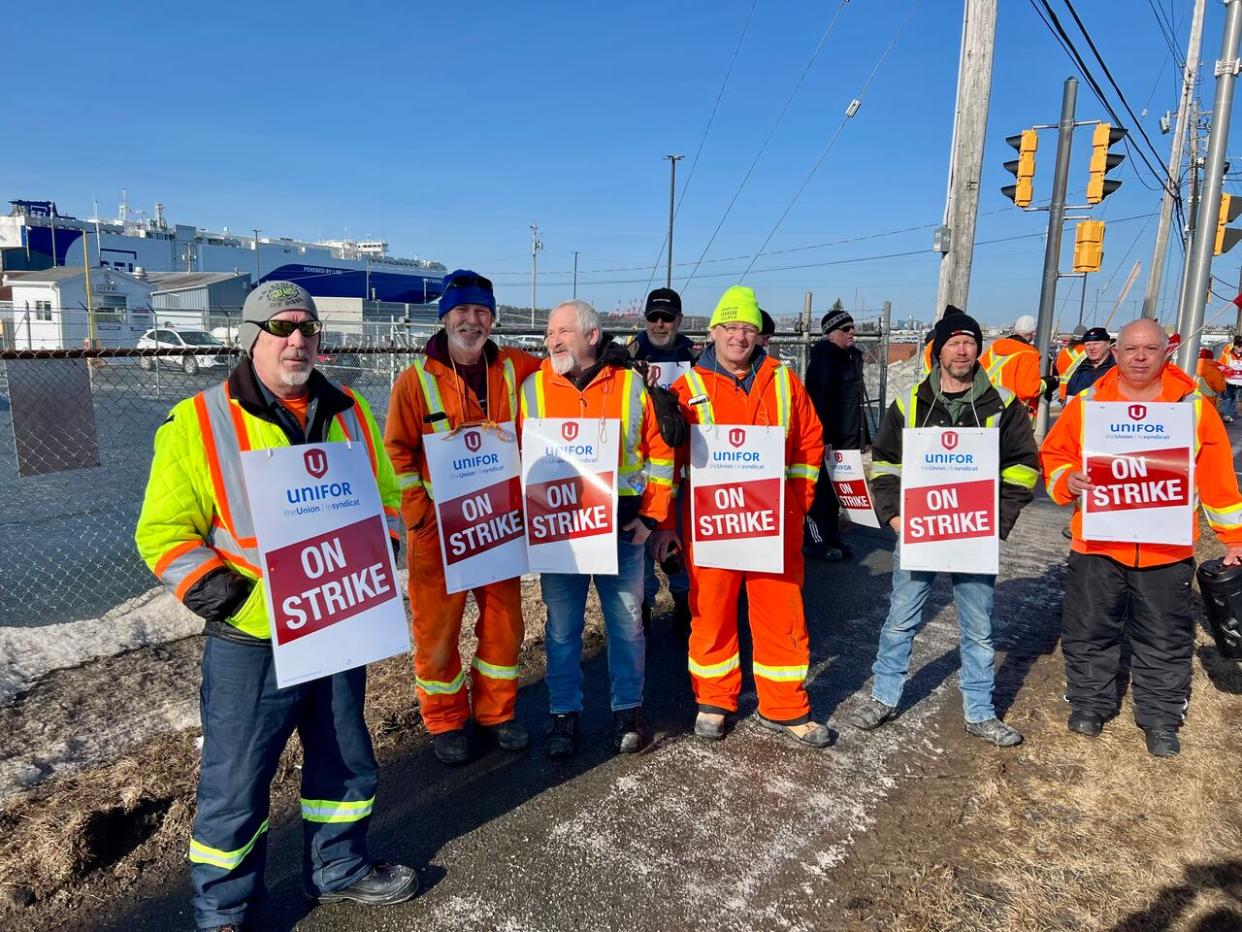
474,440
1137,412
316,461
838,456
737,436
569,430
656,371
949,439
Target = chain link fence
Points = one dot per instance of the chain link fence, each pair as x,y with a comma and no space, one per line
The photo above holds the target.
76,431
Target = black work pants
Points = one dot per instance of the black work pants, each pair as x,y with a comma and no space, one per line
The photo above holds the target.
1106,601
823,521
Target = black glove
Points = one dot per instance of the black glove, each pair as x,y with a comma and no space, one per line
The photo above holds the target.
668,415
218,595
1051,384
396,546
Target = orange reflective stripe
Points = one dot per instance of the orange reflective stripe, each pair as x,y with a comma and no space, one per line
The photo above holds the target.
213,459
177,551
195,575
239,422
238,560
366,434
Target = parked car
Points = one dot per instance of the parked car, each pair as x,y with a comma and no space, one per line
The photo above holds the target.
202,350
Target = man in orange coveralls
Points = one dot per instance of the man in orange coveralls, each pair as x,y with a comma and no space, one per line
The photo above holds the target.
461,378
1012,362
1137,589
736,382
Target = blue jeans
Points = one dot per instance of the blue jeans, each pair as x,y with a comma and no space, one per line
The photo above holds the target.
972,594
620,597
1227,403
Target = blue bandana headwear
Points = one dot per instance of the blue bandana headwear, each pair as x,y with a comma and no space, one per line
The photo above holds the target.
466,287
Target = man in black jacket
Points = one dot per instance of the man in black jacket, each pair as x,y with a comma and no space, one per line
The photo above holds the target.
834,380
957,393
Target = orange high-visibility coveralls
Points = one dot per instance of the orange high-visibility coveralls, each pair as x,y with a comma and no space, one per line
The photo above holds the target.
1014,364
1069,359
1215,482
781,652
422,393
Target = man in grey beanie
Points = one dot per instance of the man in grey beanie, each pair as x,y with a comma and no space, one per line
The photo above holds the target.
196,534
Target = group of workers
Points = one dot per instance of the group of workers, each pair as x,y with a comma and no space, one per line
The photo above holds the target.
196,534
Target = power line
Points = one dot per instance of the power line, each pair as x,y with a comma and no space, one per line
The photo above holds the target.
1054,25
758,155
702,139
849,113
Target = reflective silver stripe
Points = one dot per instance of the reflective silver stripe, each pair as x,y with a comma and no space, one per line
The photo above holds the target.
228,455
881,468
185,565
699,389
409,480
795,673
220,538
510,375
440,687
531,396
714,670
782,397
633,476
1053,476
494,671
431,396
1228,518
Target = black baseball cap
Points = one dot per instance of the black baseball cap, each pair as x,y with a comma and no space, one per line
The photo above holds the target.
663,301
1096,333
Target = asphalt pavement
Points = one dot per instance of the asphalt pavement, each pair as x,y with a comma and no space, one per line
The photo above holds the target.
687,835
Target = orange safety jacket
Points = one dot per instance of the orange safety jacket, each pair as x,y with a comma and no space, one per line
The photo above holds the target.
1211,380
430,397
927,360
1014,364
1231,365
777,398
1215,483
1068,360
645,470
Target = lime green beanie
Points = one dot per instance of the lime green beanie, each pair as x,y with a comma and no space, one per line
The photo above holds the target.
738,305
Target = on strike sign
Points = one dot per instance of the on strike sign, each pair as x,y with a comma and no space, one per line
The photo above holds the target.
737,509
950,499
569,477
666,373
476,480
328,572
845,470
1139,460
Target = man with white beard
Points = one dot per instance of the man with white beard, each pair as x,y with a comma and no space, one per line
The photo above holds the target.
462,378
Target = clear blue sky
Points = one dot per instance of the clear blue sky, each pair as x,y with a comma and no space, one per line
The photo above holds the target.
449,128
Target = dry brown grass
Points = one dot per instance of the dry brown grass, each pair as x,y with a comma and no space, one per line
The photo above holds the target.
1095,834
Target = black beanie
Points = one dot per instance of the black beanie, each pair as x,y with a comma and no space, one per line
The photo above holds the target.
950,326
769,325
835,320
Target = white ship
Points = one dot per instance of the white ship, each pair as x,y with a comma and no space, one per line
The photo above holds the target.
35,236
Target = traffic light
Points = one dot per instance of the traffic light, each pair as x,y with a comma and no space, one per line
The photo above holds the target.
1103,161
1022,168
1088,246
1227,237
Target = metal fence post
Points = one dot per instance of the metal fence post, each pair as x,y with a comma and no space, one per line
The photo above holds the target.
805,340
886,326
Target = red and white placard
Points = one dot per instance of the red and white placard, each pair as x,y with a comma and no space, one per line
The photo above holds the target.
737,504
666,373
328,571
477,481
569,480
1139,459
950,499
849,481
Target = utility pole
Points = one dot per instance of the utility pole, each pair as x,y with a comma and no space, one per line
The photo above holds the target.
535,245
1171,190
1227,67
90,297
1192,213
970,123
256,256
575,273
1052,251
672,189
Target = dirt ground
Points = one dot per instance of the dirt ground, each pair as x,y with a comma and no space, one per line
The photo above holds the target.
1061,833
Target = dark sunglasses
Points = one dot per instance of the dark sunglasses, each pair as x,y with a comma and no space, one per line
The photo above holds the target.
846,329
469,281
664,317
284,328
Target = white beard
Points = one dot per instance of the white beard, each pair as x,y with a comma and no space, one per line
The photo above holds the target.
562,364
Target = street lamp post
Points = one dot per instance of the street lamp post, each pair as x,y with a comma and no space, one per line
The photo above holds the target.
672,190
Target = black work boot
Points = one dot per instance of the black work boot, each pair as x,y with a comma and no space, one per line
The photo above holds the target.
451,747
509,736
1162,741
385,885
562,736
871,714
627,730
646,617
1085,723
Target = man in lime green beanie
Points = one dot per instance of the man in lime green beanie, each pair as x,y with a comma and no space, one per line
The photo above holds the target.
738,305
